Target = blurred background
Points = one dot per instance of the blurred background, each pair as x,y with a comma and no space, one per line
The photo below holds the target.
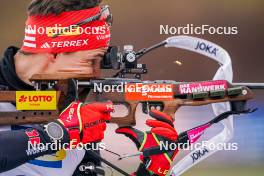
138,22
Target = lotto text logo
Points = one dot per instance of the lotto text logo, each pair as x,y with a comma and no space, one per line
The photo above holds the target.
36,100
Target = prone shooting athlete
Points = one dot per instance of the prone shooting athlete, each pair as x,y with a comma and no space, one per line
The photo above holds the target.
68,52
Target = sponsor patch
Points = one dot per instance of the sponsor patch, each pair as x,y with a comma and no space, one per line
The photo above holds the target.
206,86
195,134
33,136
145,92
199,154
206,48
63,44
36,100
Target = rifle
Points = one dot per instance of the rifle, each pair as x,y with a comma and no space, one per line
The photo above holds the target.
182,94
126,62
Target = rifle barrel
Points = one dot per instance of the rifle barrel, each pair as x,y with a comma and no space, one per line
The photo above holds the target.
250,85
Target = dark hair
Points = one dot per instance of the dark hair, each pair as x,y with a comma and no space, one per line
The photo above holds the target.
47,7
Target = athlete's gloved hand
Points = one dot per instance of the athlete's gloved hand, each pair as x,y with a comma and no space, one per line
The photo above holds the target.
162,129
86,123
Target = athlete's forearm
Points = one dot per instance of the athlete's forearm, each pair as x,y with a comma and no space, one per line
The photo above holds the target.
15,146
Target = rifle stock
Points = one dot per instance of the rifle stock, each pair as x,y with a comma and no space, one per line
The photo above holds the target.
59,82
239,94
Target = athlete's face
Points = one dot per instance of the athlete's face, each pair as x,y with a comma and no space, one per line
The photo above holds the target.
75,62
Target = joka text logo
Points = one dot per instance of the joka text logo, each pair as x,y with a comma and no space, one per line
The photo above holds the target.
144,92
36,100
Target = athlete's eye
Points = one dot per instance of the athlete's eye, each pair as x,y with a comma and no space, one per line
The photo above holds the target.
67,53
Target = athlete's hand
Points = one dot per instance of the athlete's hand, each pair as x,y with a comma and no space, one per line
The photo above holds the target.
86,123
162,129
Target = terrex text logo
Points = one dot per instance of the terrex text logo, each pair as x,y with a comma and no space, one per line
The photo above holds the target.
36,100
